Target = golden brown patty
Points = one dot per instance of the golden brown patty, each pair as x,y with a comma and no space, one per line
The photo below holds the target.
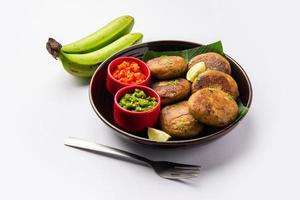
216,79
167,67
213,107
173,90
177,121
212,61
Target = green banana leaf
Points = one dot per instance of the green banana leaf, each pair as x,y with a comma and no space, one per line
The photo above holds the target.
242,109
188,54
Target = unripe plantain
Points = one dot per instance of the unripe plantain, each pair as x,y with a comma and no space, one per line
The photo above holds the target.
104,36
83,71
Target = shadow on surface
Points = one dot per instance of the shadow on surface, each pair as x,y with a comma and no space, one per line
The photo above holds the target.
81,81
71,81
212,155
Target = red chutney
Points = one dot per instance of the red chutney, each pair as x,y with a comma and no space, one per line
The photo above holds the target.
129,72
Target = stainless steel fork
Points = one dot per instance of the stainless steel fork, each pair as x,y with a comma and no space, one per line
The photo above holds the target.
164,169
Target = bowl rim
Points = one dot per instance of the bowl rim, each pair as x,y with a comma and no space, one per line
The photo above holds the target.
144,65
138,87
175,142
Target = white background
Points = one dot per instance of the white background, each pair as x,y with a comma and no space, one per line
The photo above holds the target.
41,105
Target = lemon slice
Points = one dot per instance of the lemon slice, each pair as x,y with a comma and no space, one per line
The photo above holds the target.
158,135
195,71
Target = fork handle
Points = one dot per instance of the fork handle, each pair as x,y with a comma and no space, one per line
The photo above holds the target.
103,149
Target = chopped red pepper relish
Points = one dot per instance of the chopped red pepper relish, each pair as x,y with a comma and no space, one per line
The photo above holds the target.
129,72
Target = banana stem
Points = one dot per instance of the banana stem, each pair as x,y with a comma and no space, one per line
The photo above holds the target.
53,47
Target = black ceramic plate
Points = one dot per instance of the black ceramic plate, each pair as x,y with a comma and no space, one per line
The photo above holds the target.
102,101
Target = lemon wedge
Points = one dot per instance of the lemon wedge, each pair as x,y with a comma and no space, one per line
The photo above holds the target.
158,135
195,71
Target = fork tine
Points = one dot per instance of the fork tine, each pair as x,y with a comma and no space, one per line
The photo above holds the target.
185,172
187,168
186,165
181,176
178,177
182,173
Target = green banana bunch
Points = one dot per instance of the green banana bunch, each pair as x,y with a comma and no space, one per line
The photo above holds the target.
84,65
81,58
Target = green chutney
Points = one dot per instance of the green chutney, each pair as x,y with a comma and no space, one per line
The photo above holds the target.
137,101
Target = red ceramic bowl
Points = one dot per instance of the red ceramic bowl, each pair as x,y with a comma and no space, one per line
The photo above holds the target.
131,120
114,85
